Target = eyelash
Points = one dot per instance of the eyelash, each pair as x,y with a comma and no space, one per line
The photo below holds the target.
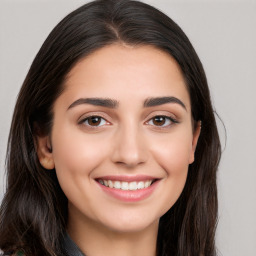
84,120
172,121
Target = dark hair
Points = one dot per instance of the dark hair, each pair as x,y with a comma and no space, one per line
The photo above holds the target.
33,213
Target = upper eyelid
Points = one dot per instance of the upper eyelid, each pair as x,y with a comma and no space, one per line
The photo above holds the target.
85,118
172,119
88,115
164,127
82,123
162,113
110,118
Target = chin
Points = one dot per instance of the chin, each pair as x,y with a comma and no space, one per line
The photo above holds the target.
130,223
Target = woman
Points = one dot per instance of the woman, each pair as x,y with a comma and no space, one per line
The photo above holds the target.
113,141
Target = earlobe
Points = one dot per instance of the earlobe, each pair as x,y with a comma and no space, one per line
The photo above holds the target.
196,135
44,152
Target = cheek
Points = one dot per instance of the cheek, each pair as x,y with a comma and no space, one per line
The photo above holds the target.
173,153
76,153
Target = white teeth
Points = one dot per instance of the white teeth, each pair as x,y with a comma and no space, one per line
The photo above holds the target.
133,185
117,184
141,185
147,184
110,184
124,185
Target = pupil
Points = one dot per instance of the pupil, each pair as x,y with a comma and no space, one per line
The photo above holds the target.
94,120
159,120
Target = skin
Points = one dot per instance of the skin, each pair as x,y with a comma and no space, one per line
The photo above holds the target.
128,141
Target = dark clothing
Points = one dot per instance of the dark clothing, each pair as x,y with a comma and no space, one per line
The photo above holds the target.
70,248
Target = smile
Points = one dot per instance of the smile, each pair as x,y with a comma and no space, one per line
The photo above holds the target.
128,188
124,185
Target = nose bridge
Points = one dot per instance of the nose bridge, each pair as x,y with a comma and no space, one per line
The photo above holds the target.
129,148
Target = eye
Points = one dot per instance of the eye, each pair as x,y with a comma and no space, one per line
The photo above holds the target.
95,121
161,121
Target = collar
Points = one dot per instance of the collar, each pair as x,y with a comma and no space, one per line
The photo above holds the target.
70,248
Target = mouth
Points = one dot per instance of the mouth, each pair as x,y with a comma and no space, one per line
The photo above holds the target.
127,188
125,185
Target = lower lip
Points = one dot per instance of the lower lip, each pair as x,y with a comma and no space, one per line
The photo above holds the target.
130,195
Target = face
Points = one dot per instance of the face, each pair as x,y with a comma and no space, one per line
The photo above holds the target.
122,137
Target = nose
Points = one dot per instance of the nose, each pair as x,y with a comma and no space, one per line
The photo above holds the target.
129,147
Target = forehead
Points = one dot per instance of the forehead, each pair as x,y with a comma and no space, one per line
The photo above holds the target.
121,71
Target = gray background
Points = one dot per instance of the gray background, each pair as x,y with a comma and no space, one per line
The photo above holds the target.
224,35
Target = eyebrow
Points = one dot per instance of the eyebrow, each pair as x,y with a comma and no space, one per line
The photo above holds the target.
111,103
103,102
152,102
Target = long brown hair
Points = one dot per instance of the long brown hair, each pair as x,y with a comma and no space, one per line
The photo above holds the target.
33,214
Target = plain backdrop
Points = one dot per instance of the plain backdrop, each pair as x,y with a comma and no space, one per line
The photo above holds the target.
224,35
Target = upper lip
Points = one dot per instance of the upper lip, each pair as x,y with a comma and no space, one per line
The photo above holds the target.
128,178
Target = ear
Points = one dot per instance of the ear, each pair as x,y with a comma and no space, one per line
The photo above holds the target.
196,135
44,152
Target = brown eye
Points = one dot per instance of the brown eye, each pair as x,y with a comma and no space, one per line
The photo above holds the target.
161,121
94,121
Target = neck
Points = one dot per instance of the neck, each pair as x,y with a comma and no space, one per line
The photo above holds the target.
94,239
